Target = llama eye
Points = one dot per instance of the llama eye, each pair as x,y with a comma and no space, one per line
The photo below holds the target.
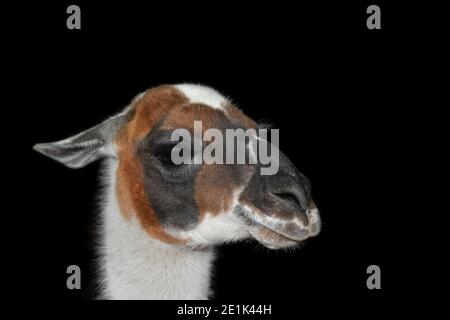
164,155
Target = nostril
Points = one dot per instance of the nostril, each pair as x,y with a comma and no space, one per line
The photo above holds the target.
289,197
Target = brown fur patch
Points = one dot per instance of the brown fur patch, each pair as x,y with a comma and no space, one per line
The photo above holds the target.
214,187
184,117
155,104
237,116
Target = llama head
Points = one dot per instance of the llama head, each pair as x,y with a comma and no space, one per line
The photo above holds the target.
192,204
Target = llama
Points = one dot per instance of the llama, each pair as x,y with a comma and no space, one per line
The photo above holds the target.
160,222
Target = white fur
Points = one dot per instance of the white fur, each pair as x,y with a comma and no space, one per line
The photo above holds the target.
202,94
216,228
135,266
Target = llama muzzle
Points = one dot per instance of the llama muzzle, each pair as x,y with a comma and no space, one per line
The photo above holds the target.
280,207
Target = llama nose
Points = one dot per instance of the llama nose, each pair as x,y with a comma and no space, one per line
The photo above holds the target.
290,186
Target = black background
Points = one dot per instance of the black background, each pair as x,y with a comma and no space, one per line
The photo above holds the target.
336,91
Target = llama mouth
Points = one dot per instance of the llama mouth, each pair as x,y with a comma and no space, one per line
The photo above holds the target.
276,233
272,239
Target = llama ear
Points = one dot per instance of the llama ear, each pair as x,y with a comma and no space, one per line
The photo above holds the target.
85,147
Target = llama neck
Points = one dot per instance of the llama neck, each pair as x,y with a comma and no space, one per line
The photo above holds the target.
136,266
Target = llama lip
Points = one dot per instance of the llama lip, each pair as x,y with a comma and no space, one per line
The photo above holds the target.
272,239
277,232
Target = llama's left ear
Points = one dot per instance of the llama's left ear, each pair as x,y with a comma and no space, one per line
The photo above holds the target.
85,147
